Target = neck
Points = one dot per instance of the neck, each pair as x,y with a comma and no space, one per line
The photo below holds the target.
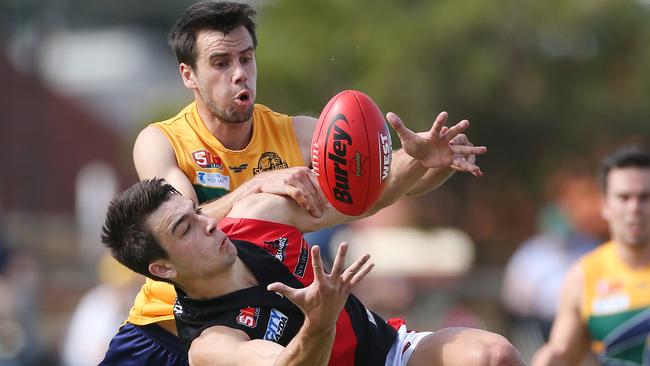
237,277
634,255
232,135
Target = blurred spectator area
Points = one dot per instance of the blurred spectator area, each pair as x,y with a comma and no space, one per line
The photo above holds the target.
47,139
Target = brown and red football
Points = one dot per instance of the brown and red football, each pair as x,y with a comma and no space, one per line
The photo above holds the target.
353,152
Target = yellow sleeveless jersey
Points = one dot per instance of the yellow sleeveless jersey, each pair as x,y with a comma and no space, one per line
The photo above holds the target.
616,307
214,171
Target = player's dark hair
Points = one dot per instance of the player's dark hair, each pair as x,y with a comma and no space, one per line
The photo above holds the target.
125,232
628,156
222,16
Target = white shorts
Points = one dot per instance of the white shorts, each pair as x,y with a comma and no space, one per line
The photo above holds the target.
404,346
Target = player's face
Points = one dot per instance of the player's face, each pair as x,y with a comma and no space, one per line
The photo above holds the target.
226,73
626,205
196,247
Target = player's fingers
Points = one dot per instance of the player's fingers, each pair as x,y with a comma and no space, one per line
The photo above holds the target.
456,129
281,289
321,201
354,268
465,166
439,123
297,195
317,264
402,131
469,150
363,272
339,260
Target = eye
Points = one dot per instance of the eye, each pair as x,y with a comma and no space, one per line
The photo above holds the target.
246,59
221,64
199,211
187,230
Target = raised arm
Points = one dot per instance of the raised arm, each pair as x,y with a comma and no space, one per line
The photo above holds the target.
424,151
569,340
154,156
321,302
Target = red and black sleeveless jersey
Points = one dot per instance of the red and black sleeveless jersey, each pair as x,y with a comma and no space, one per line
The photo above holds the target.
362,337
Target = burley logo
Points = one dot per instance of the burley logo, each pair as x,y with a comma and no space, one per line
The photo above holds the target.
205,159
338,141
275,328
248,317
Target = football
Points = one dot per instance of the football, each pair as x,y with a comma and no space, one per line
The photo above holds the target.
352,152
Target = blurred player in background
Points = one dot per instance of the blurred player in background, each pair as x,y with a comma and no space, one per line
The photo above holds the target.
605,303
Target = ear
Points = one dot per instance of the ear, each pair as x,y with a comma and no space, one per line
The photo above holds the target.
162,269
187,75
604,210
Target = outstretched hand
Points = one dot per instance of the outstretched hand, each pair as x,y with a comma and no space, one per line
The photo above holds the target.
323,300
440,146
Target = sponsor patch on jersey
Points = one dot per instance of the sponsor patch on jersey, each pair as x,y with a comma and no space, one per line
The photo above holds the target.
214,180
302,259
207,160
248,317
275,328
269,161
238,169
178,309
277,247
610,304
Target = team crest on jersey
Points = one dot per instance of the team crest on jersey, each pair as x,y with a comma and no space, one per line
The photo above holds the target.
178,308
276,247
207,160
248,317
214,180
269,161
238,169
275,328
302,259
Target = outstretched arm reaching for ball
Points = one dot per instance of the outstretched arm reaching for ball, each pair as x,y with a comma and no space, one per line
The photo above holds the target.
424,147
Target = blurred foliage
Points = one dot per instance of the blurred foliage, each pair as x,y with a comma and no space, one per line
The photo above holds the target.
546,84
543,83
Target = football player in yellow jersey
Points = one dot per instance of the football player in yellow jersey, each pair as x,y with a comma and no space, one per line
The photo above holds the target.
221,145
605,303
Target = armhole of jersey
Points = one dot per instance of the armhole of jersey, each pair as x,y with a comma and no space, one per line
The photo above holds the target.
296,143
178,150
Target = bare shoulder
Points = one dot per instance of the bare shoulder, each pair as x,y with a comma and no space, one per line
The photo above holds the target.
266,207
304,128
572,287
216,343
151,135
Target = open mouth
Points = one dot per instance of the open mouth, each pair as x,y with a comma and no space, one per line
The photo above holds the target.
243,96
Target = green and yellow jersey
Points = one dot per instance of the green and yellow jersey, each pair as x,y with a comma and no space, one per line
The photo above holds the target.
616,307
215,171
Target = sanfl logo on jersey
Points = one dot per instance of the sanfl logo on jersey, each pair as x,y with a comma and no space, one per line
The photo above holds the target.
248,317
275,328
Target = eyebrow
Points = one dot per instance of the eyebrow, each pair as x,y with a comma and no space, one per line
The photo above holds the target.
182,218
222,54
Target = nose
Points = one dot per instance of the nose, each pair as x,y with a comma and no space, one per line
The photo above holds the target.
210,225
240,74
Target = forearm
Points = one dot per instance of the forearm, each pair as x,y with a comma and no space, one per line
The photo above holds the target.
431,180
311,346
220,207
405,173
